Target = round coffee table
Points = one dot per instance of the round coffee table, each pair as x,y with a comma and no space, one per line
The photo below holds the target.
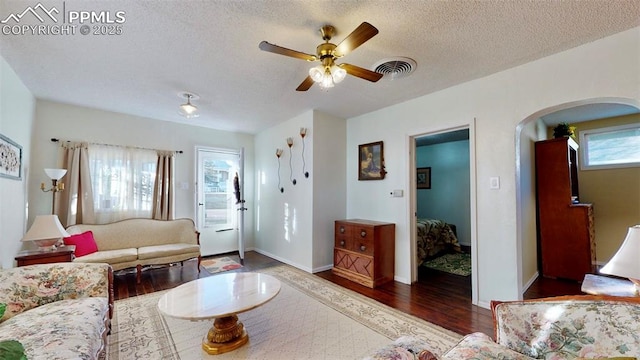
220,297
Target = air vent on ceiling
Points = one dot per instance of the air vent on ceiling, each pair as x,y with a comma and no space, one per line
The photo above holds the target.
395,68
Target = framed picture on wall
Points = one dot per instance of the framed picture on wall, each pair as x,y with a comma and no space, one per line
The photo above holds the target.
371,161
10,158
423,178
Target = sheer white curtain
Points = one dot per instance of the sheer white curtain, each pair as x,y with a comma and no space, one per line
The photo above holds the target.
123,181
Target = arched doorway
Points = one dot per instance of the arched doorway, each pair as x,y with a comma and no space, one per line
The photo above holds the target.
529,130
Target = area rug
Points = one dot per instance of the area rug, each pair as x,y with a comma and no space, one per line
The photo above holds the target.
311,318
458,263
219,265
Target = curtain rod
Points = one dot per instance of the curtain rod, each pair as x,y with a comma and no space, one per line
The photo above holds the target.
134,147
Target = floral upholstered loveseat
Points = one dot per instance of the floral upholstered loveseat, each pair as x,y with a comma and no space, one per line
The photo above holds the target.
567,327
57,311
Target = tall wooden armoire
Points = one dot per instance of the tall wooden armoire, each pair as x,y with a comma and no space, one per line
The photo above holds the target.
565,226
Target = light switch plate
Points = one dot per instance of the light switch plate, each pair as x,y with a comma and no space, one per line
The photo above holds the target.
494,183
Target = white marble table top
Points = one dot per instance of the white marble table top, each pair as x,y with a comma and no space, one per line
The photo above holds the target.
219,295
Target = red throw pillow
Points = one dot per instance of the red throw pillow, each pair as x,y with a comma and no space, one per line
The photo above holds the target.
85,243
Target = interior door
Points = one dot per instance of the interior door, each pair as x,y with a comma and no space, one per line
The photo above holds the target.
217,214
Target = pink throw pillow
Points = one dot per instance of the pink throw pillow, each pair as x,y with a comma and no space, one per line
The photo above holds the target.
85,243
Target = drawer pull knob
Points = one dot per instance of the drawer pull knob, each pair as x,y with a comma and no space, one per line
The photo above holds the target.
342,243
342,229
363,248
363,233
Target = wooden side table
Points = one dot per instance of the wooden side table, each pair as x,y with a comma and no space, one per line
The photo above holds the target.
59,254
604,285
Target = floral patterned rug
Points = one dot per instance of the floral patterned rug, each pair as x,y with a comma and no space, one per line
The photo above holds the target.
458,264
311,318
219,265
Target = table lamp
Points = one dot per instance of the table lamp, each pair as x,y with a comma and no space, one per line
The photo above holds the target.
626,262
45,232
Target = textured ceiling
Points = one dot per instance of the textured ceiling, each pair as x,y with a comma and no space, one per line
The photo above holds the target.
211,48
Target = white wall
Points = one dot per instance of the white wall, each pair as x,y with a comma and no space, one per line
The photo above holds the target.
607,67
75,123
530,133
17,112
296,226
449,198
284,221
329,186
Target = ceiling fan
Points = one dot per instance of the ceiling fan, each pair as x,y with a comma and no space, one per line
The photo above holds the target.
328,73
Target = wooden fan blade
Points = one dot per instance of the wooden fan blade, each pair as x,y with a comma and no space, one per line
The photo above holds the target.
306,84
265,46
358,37
362,73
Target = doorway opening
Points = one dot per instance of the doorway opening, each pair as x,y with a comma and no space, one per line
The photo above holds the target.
442,215
585,114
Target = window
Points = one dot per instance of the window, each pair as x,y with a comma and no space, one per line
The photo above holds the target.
122,180
611,147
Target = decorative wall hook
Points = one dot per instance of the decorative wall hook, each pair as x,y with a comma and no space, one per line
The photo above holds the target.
303,132
290,144
278,154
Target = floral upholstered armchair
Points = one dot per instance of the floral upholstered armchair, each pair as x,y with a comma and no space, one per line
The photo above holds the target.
57,311
568,327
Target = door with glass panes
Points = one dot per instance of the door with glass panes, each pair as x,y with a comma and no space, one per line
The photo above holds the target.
217,215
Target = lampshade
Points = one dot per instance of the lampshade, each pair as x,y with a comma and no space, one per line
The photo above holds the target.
189,110
55,174
626,262
317,73
338,73
45,231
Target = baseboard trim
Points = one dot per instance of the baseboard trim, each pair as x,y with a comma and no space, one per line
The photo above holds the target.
528,284
286,261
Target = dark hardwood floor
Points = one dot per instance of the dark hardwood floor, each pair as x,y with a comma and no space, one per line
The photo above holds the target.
438,297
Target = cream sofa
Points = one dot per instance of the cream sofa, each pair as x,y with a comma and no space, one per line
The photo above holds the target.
567,327
140,242
57,311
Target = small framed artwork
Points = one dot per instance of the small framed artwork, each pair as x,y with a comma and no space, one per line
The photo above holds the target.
10,158
423,178
371,161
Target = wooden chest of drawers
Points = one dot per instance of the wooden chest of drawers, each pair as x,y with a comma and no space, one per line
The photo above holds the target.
364,251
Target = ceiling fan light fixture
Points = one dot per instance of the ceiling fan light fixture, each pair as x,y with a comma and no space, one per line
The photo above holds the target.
317,73
338,73
328,73
327,81
327,76
189,110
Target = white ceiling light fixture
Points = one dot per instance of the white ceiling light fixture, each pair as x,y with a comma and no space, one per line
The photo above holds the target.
189,110
327,76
